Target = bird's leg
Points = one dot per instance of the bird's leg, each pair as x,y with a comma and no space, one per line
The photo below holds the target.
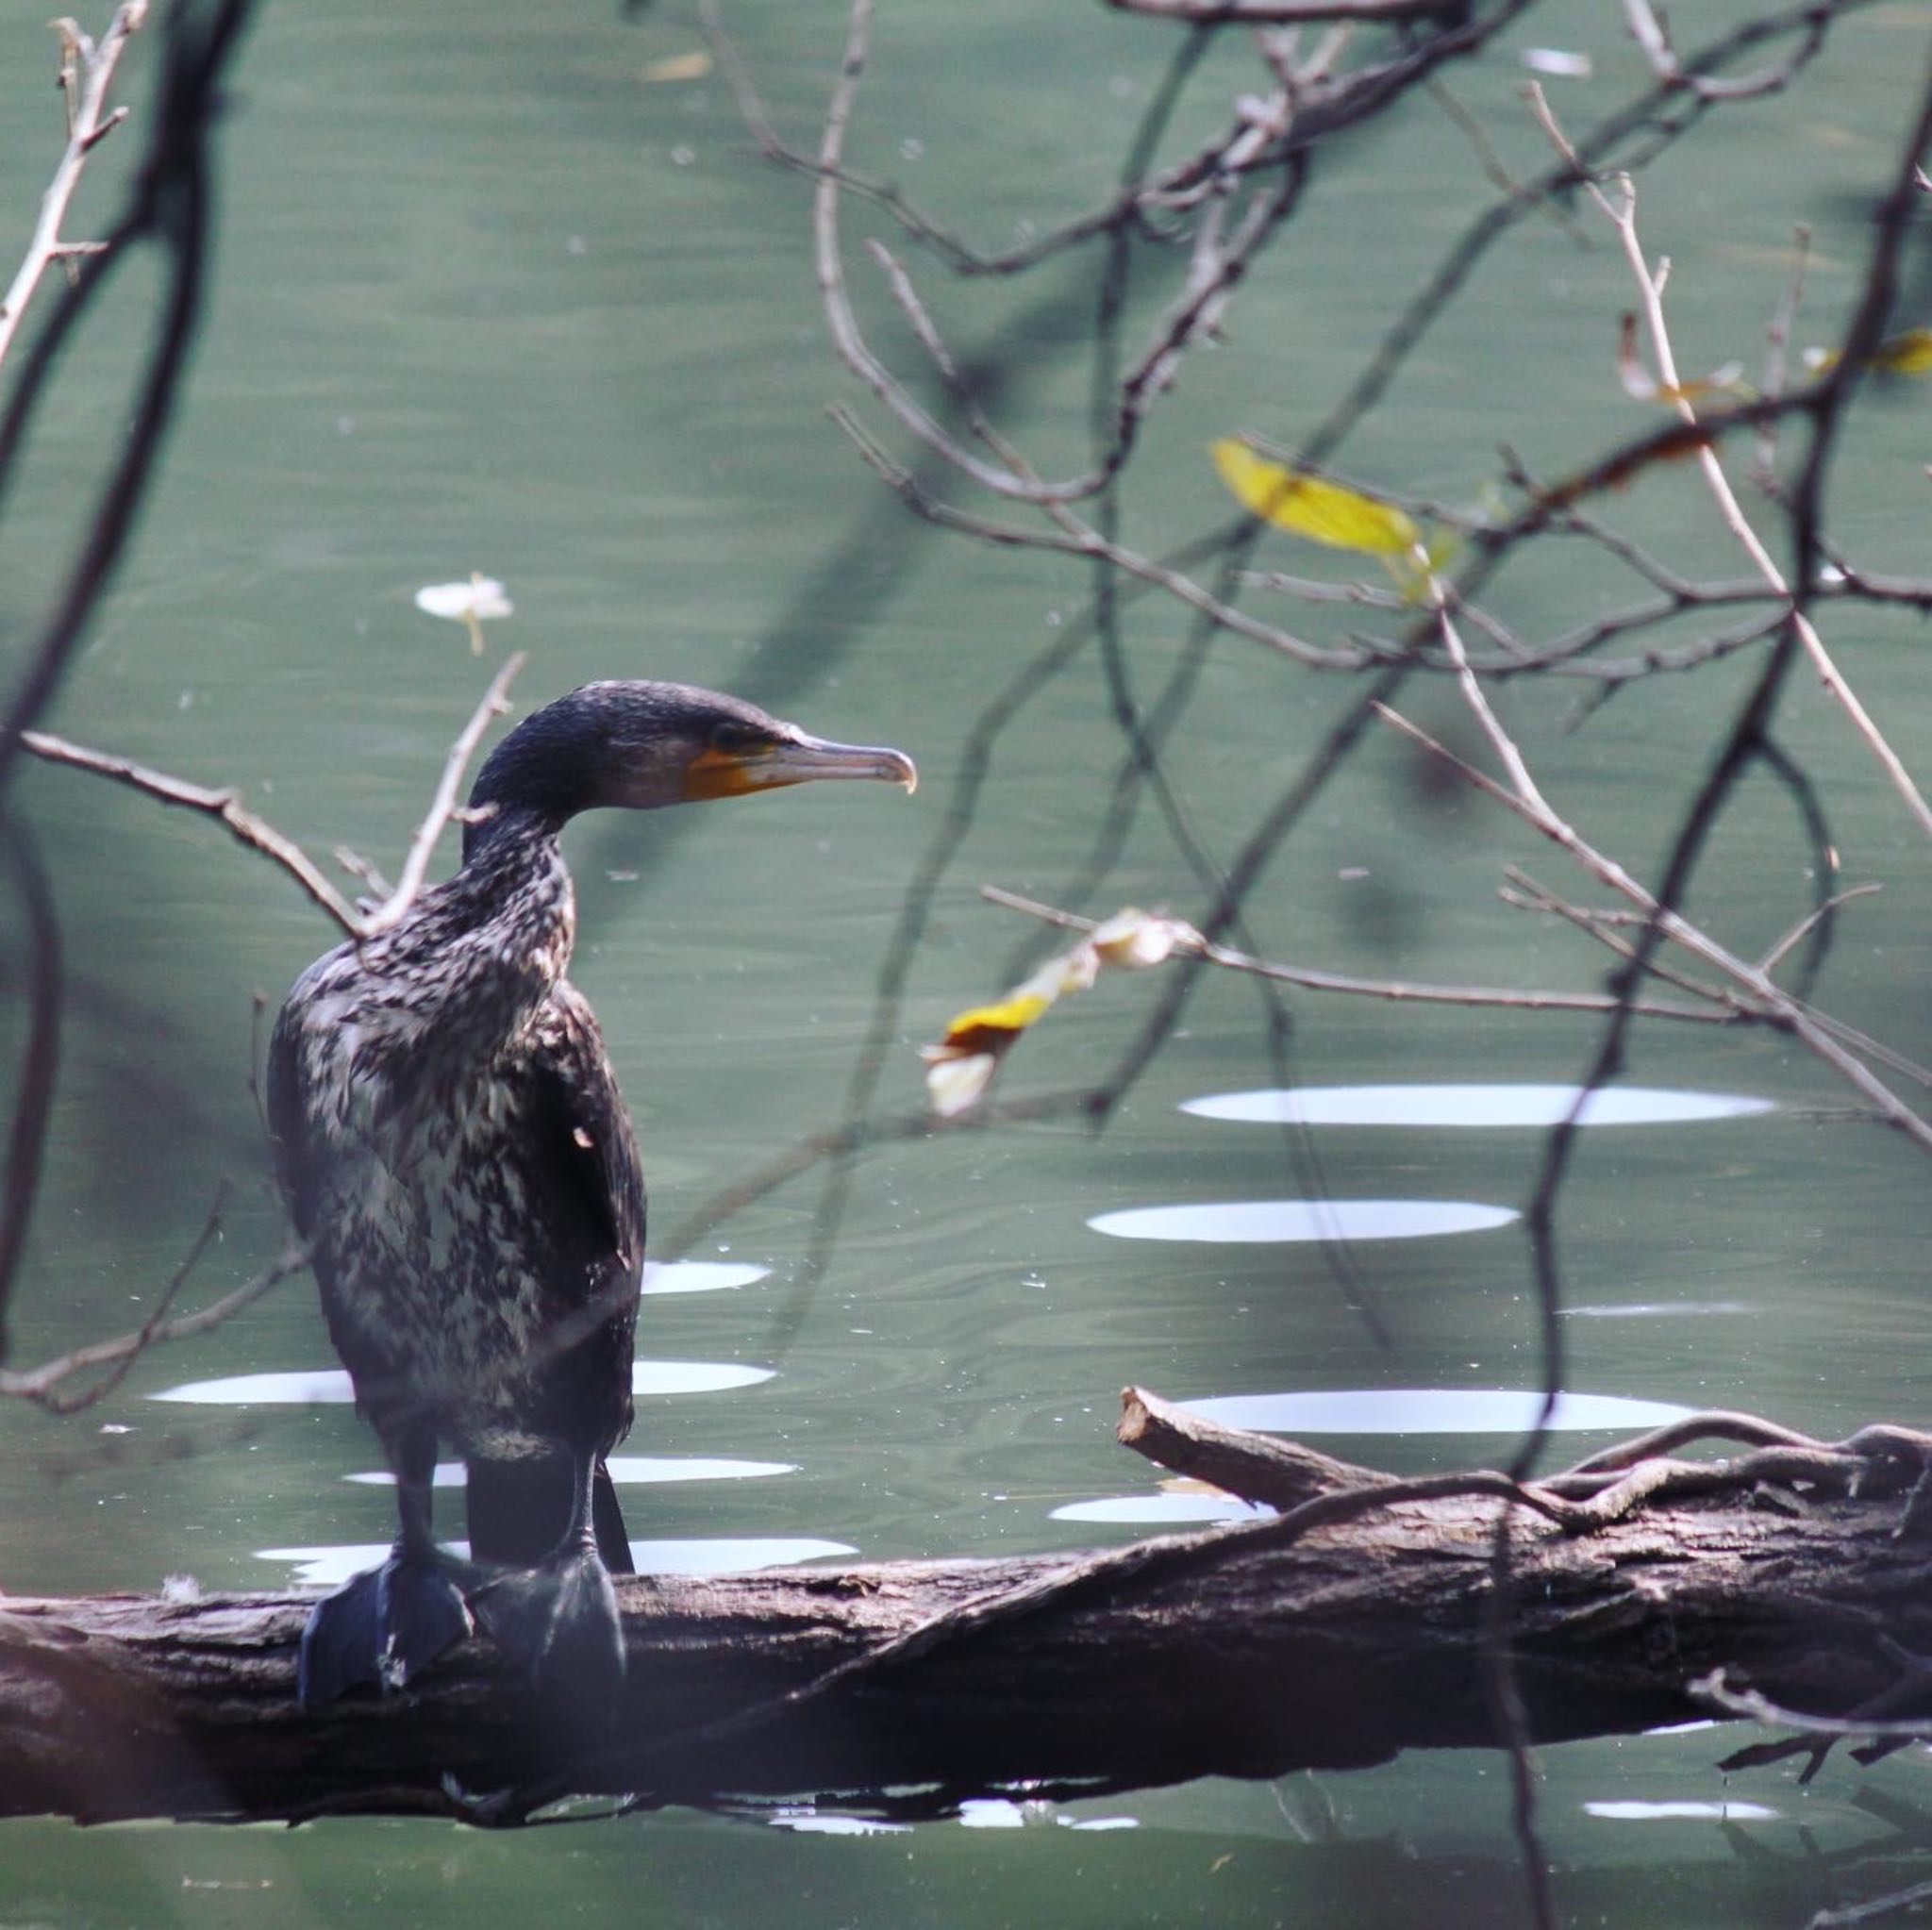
389,1623
562,1615
579,1537
423,1610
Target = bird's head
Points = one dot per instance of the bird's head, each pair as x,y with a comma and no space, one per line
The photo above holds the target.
644,745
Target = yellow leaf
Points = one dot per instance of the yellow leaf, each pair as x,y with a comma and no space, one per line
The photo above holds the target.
1909,354
960,1068
1010,1015
1310,505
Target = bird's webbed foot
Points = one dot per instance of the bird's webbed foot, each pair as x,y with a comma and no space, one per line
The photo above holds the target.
560,1620
382,1629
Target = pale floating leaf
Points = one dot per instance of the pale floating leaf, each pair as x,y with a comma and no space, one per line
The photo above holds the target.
957,1085
691,66
480,597
1133,940
1641,386
468,603
1559,62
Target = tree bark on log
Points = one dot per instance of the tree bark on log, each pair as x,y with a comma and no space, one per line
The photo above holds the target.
1351,1627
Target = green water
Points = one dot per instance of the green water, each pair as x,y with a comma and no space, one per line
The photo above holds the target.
489,297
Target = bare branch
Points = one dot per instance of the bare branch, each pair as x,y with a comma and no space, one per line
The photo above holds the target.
1397,992
169,205
443,806
1290,12
87,71
1809,922
40,1060
43,1385
223,804
1776,1002
1621,215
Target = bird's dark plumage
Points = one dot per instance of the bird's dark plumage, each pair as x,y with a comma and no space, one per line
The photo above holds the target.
457,1157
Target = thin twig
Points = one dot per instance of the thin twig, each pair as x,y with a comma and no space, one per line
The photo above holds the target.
87,73
224,803
1777,1003
1770,960
442,806
40,1385
1399,992
170,203
1621,215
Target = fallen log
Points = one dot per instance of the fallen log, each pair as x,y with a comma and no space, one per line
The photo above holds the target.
1346,1629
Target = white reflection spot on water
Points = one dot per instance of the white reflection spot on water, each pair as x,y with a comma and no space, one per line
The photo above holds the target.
813,1822
1430,1410
327,1384
332,1384
329,1567
1163,1507
625,1470
1681,1812
1655,1309
991,1812
732,1556
698,1276
1471,1106
1220,1222
694,1376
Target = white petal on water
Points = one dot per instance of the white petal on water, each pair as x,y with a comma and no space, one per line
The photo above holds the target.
476,596
1559,62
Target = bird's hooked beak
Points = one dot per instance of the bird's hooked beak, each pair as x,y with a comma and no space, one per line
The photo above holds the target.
793,758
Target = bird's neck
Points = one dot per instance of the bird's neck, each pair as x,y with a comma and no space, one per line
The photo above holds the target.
482,951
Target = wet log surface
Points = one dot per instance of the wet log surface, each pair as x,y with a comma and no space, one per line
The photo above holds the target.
1349,1629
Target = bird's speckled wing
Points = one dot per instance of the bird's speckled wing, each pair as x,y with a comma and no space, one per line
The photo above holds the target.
577,1128
576,1143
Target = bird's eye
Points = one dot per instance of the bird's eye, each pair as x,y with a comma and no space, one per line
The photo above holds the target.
731,735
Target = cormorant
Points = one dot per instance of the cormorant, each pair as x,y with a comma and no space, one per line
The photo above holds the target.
456,1154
